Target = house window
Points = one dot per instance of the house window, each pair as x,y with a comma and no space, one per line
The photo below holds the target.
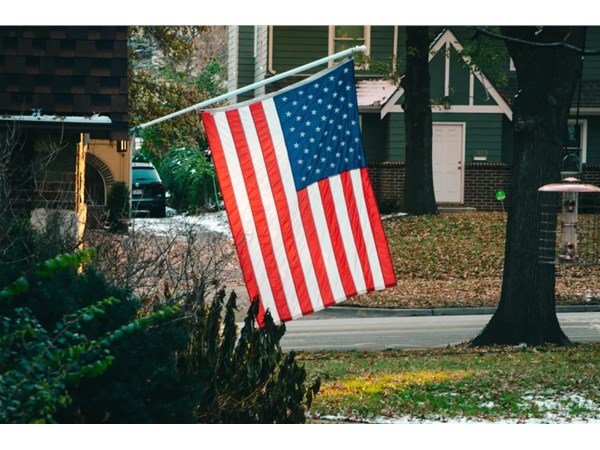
347,36
575,149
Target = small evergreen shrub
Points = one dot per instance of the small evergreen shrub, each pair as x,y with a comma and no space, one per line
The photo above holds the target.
189,178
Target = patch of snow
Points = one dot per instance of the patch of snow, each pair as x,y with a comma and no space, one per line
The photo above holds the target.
178,224
410,420
555,409
561,405
394,215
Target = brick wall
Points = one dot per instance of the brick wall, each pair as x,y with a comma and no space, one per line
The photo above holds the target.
591,174
482,181
387,179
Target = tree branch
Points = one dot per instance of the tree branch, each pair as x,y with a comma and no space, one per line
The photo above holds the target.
503,37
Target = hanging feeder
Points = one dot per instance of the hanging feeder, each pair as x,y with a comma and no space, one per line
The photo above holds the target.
569,226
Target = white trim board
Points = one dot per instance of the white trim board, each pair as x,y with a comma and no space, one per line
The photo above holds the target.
480,109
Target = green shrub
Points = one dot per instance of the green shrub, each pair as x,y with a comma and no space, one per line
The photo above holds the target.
39,363
70,352
117,207
197,368
189,178
245,378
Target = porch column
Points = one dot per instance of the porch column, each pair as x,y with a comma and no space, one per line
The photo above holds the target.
80,206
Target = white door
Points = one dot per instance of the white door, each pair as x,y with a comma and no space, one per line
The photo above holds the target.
448,151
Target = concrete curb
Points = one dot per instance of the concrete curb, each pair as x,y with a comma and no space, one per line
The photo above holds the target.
339,312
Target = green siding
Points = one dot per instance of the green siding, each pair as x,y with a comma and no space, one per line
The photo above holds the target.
591,64
382,44
396,137
459,80
245,59
593,140
374,136
480,94
294,46
436,71
483,134
507,140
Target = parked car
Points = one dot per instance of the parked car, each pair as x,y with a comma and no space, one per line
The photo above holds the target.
147,190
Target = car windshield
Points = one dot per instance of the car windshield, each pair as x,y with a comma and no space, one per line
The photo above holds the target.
144,175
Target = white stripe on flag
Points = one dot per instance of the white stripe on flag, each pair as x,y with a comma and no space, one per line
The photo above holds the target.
367,232
316,206
341,211
287,179
268,201
247,219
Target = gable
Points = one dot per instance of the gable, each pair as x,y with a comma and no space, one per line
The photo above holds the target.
465,88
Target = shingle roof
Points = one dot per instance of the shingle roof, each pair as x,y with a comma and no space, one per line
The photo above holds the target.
374,93
72,71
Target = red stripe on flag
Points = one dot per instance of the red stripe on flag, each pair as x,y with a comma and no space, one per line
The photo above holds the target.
282,206
357,232
258,213
383,250
233,213
336,238
310,230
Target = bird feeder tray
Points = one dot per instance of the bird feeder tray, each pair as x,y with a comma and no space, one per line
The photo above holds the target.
569,185
569,223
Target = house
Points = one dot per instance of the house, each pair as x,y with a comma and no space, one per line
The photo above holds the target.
472,115
63,112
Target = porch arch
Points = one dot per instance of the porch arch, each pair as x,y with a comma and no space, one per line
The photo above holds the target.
99,182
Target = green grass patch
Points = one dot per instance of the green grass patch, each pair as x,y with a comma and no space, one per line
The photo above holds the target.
492,384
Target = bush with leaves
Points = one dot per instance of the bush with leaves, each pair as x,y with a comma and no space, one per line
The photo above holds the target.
38,363
71,353
117,207
243,378
166,74
189,178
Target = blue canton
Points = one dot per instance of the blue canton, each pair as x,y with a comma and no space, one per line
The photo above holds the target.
321,128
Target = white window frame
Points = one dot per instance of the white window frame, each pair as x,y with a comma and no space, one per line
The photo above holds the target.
583,123
366,41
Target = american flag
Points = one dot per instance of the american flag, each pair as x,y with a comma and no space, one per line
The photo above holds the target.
294,181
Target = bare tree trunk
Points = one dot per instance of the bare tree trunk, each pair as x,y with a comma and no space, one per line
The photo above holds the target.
419,197
547,77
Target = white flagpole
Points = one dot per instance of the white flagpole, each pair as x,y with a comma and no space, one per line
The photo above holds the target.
197,106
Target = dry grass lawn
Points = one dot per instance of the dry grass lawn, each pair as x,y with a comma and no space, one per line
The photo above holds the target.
456,260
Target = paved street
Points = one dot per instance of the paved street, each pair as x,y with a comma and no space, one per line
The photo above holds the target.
380,333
